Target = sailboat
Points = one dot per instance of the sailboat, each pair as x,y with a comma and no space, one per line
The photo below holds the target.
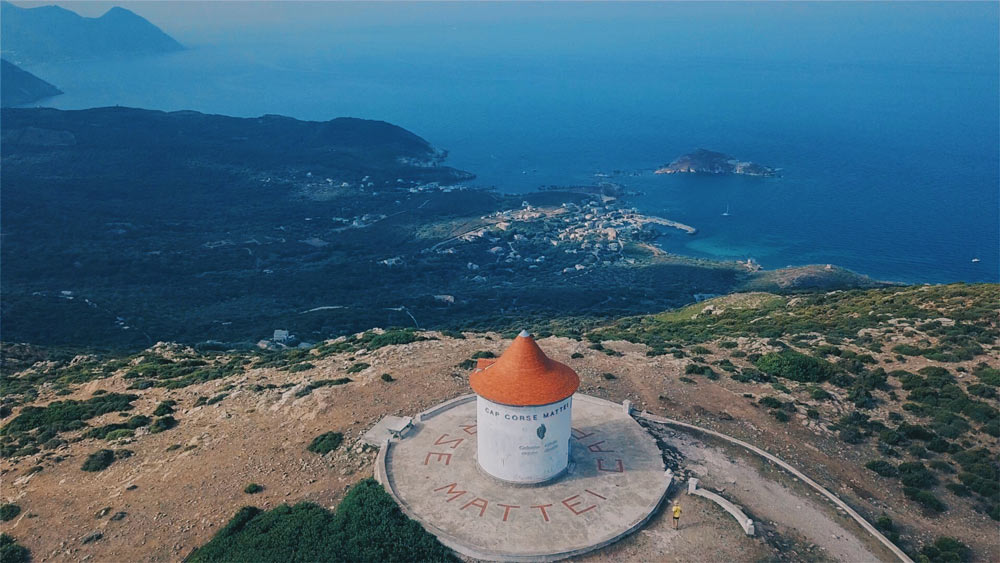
726,214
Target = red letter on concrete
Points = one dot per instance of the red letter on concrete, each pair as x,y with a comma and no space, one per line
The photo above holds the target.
572,507
481,503
506,509
580,434
596,447
595,494
455,441
542,507
600,466
440,456
451,491
469,429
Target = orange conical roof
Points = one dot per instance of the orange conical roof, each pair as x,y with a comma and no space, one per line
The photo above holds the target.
523,376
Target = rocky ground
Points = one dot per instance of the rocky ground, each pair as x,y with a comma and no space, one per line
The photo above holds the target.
183,484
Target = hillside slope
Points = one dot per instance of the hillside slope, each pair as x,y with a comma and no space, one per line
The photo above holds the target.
887,397
19,87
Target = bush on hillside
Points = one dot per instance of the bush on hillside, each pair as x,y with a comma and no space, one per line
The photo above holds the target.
882,467
947,549
99,460
162,423
326,443
9,511
368,526
795,366
13,552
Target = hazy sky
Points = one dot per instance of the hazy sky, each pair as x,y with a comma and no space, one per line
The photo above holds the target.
857,30
916,33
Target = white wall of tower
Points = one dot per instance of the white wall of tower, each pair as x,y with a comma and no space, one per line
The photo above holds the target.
523,444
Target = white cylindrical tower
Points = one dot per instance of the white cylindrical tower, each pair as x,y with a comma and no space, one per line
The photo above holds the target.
523,413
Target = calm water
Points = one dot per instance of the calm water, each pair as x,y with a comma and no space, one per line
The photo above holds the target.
883,117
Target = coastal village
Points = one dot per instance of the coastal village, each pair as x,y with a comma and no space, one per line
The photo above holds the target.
586,235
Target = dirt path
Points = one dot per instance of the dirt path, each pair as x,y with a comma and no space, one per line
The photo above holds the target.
793,514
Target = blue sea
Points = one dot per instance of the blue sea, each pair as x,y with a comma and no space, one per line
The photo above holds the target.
883,117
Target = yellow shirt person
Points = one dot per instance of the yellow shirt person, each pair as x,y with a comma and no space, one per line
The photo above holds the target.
677,513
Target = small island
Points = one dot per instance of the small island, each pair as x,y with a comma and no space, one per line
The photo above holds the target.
704,161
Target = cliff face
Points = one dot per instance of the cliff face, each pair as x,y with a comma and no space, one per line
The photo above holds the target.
704,161
18,86
51,34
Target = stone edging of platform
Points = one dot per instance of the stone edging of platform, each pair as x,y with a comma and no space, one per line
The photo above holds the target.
741,518
833,498
381,475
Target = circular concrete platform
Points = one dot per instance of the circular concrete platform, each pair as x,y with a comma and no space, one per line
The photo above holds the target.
614,484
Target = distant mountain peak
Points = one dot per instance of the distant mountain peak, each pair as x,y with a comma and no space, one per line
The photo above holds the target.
53,34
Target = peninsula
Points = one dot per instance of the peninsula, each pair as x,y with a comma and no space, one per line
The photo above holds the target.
704,161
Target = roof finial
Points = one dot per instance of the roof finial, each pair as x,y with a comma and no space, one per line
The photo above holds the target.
524,334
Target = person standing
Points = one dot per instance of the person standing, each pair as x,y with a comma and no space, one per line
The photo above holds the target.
677,513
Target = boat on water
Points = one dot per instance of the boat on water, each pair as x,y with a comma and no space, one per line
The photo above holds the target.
974,260
726,213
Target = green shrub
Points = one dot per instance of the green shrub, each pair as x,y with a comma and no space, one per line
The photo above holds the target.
161,424
700,370
947,549
796,366
907,350
819,394
851,435
987,375
326,443
885,525
687,380
770,402
164,408
729,344
781,416
99,460
216,399
67,415
387,378
391,338
882,467
304,366
925,499
253,488
9,511
13,552
120,433
368,526
102,432
609,376
959,489
942,466
812,413
914,474
700,351
915,432
358,367
576,355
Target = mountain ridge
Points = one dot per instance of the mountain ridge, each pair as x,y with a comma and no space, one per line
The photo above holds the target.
49,34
